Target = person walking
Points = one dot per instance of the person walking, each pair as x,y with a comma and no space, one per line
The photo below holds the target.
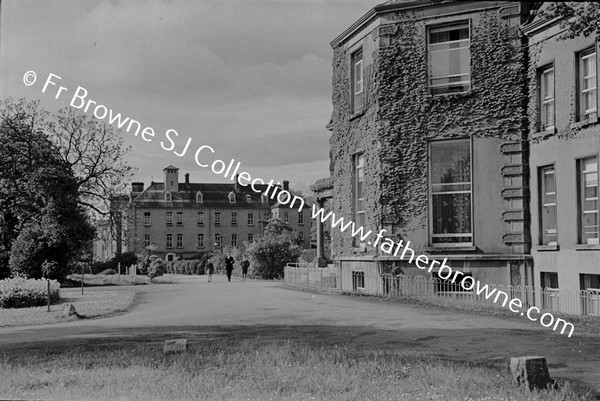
229,266
210,269
245,266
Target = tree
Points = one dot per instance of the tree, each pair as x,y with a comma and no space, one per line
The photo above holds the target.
40,216
577,18
271,251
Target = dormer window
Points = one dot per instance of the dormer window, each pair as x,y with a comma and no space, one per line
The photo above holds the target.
231,197
248,198
264,198
168,197
199,197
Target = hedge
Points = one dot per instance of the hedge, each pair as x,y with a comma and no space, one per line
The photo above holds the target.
24,293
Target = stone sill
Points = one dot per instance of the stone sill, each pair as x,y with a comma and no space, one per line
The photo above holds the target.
357,114
587,247
543,134
584,123
547,248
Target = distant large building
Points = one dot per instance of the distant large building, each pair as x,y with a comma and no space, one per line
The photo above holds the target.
183,219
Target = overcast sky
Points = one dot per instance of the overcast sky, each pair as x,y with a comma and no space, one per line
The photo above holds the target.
251,78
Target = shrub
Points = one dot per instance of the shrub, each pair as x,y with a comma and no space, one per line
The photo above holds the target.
24,293
126,259
157,267
108,272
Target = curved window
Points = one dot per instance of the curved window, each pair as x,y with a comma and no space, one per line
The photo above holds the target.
199,197
168,197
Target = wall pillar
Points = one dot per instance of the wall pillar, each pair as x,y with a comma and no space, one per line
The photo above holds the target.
321,259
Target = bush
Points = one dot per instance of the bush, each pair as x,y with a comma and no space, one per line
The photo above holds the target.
25,293
108,272
157,267
126,259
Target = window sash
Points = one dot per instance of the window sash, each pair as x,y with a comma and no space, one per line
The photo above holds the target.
233,218
250,219
250,237
146,240
359,206
300,218
587,85
234,240
179,217
357,80
449,59
217,218
147,219
588,200
200,217
169,217
179,240
169,241
548,210
200,240
218,240
547,99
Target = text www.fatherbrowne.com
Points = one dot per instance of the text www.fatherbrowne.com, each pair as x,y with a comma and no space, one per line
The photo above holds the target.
80,100
444,271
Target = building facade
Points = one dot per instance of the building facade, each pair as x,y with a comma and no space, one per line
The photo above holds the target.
184,219
564,141
428,140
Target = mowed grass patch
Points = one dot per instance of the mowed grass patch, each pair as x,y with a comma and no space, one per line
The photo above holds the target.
253,370
92,304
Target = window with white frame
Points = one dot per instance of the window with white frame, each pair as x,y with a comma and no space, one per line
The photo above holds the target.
548,228
234,240
200,240
286,217
169,240
588,96
179,218
199,197
300,218
450,193
179,240
168,197
359,204
357,80
449,58
169,218
200,218
587,171
231,197
250,219
146,240
217,218
250,237
218,241
147,219
234,218
546,106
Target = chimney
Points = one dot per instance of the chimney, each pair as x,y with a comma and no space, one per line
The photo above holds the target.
286,185
187,179
137,187
236,183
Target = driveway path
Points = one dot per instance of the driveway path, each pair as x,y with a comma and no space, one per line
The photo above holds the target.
198,310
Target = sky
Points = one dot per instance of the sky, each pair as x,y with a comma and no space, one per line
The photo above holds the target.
250,78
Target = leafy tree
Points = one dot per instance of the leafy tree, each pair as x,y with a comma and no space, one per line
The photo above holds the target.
577,18
40,217
271,251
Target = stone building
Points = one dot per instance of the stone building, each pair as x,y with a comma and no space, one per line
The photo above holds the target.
564,141
428,139
183,219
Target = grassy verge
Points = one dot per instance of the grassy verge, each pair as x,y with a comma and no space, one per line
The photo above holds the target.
254,370
99,280
91,305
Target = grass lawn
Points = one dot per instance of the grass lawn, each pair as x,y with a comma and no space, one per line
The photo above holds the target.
117,279
251,370
92,304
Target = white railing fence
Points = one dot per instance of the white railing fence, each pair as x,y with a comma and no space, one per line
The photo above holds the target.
586,302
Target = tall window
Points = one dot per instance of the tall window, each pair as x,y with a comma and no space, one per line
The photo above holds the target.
449,59
180,218
169,218
217,218
547,179
146,240
357,80
147,219
359,207
546,81
200,218
250,237
588,200
169,240
231,197
179,240
199,197
250,219
234,240
450,193
218,241
587,84
200,240
300,218
168,197
234,218
286,217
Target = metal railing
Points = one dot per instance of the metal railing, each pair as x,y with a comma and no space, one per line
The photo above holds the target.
305,276
573,302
